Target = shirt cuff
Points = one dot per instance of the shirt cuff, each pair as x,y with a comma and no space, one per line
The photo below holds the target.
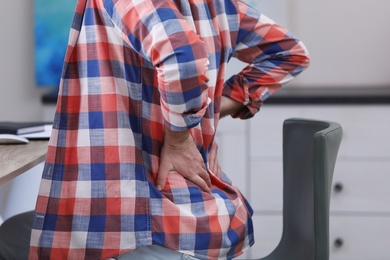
237,88
183,121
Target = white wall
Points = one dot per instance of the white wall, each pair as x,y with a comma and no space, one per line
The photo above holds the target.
19,98
348,41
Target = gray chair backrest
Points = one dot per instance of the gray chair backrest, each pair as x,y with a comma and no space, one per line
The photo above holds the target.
310,150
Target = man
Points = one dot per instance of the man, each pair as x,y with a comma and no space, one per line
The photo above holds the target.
131,167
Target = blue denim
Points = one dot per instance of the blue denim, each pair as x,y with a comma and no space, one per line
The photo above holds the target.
154,252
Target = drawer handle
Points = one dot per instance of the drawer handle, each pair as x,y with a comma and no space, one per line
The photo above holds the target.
338,242
338,187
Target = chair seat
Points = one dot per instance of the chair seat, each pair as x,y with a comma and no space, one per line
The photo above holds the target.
15,235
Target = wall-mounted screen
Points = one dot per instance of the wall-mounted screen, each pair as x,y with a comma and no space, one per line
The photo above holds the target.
52,22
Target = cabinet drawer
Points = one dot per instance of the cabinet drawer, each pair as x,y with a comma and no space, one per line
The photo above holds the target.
359,238
358,186
351,237
361,186
365,128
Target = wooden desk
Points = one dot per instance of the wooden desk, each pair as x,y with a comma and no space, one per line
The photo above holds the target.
18,158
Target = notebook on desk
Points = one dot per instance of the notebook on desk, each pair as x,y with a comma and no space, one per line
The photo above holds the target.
19,128
43,135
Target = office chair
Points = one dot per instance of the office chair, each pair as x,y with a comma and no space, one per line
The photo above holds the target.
310,149
15,236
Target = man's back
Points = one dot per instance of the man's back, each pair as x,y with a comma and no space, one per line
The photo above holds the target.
132,70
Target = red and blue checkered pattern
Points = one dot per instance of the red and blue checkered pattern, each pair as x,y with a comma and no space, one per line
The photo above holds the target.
132,68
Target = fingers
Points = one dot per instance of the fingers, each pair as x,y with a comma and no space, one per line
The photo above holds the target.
202,182
162,175
215,168
213,158
185,160
206,177
219,171
202,179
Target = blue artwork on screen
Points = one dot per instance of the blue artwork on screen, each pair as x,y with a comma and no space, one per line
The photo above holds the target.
53,19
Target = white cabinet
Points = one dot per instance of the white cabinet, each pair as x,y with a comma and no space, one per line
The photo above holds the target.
363,236
360,199
20,194
361,186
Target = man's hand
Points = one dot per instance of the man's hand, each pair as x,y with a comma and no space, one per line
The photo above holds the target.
180,154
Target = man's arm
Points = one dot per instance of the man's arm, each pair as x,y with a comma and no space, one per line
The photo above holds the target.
274,57
230,106
179,56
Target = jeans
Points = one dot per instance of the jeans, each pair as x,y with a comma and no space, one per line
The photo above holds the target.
153,252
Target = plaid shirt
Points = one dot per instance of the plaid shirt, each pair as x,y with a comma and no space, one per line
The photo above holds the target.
132,68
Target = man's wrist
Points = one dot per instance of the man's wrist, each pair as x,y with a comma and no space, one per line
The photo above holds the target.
230,106
176,137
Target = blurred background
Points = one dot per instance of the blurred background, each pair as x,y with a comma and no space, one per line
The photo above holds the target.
348,82
348,42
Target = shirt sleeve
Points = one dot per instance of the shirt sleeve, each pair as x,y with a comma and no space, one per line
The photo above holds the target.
160,34
274,57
